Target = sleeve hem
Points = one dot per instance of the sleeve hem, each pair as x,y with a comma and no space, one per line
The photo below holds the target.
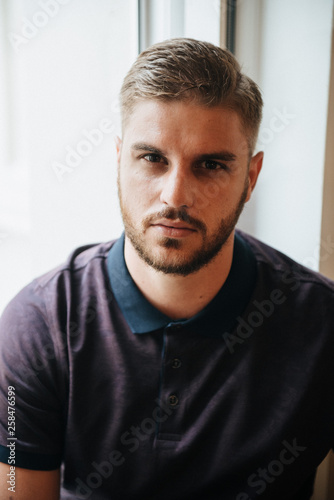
32,461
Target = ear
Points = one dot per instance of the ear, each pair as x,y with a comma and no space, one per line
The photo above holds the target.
253,172
118,143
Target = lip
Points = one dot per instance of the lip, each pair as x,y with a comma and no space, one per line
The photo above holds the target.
171,228
173,224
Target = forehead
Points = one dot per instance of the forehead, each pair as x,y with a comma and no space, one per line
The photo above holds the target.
183,124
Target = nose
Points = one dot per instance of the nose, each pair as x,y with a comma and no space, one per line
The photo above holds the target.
177,189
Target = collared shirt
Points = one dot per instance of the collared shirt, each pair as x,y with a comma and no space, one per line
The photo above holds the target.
220,314
233,403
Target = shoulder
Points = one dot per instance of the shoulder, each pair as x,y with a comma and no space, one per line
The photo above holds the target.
81,260
36,325
84,268
48,298
276,263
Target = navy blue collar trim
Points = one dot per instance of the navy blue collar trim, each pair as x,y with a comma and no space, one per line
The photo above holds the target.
219,316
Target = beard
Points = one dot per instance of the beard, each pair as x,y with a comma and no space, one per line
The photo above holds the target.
183,263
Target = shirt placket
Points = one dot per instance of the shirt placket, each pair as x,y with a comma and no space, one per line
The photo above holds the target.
172,386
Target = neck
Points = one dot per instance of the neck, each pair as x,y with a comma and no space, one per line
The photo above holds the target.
180,297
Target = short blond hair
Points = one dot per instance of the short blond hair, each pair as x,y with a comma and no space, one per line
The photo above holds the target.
187,69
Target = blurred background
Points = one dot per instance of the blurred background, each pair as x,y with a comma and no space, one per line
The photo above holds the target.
61,67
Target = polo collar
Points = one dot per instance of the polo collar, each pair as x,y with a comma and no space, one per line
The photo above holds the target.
219,316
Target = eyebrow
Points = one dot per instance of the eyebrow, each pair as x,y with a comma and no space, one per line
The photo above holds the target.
141,146
219,155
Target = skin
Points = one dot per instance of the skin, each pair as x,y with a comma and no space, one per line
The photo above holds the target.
184,174
30,484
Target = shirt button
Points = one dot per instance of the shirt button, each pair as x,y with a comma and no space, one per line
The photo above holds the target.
176,363
173,400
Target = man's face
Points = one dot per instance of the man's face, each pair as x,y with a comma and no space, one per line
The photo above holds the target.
184,176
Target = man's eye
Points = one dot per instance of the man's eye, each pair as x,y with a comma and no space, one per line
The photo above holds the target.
214,165
153,158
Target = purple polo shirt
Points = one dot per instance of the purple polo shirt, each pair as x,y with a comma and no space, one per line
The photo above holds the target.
233,403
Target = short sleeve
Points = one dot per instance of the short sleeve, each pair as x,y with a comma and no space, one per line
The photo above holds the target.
33,366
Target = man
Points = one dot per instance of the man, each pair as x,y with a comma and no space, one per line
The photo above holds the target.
186,360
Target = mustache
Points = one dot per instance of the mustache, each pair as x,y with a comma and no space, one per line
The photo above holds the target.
175,214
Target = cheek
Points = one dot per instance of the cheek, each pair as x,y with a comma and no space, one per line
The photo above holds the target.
138,194
216,198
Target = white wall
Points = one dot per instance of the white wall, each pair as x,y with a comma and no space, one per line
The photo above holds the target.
165,19
67,62
202,20
285,46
